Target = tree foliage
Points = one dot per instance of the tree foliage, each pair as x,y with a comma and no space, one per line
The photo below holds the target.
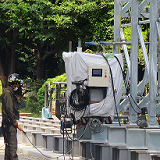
33,31
35,99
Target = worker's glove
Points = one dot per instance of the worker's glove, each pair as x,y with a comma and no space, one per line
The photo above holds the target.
15,124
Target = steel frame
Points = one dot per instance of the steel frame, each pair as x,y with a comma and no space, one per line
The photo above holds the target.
137,9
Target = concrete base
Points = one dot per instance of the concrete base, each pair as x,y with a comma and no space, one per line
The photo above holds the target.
104,152
38,139
30,137
136,138
153,140
73,146
60,144
123,153
49,141
83,132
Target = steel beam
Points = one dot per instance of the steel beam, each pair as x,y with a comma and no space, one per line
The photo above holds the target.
158,28
153,65
117,19
143,47
134,59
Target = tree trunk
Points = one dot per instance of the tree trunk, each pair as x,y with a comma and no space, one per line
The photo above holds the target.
12,62
8,60
3,77
41,57
13,53
39,72
39,69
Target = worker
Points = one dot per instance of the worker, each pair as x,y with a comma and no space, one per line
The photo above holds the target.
18,92
10,115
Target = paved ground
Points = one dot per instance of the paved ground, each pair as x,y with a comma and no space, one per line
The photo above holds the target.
30,153
23,157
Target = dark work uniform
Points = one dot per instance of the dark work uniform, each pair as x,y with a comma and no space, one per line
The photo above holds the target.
10,115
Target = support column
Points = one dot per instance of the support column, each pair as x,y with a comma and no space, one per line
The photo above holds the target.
134,60
117,11
153,64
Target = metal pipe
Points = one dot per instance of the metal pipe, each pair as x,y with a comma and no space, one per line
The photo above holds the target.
70,46
140,22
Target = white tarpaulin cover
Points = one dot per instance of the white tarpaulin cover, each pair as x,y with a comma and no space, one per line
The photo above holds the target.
76,65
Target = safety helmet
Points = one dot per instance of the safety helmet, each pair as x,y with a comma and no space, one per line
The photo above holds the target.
21,83
14,78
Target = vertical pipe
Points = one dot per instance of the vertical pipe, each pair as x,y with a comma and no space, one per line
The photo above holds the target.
79,48
50,101
70,46
45,96
79,43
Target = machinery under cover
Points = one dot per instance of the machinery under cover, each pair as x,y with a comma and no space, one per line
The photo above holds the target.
102,77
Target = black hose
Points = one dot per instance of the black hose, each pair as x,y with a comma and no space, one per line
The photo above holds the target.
113,88
35,146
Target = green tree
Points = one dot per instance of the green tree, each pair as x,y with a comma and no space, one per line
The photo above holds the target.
39,29
35,100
